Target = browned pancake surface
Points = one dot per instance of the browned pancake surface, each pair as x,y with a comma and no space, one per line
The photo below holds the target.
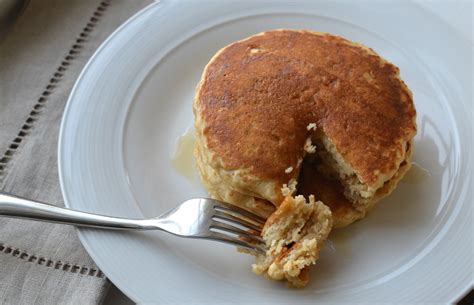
258,95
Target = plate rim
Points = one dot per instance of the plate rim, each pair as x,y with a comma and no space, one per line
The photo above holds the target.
60,145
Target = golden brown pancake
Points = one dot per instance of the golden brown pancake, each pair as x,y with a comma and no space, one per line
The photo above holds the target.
289,105
257,97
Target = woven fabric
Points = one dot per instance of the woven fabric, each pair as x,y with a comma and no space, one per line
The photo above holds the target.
40,59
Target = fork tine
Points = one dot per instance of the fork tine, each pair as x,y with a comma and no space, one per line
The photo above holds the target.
236,220
235,241
217,225
223,206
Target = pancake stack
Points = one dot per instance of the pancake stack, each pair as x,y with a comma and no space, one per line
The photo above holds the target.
289,112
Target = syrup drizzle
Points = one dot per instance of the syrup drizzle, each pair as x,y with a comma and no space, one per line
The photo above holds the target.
183,158
416,174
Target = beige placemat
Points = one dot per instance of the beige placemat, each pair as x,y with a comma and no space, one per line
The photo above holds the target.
40,59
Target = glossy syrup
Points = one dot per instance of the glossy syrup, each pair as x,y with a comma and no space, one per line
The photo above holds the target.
340,241
416,174
183,158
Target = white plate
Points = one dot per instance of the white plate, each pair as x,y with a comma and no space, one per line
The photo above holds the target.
133,100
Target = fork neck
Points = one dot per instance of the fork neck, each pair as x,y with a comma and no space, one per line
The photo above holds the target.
13,206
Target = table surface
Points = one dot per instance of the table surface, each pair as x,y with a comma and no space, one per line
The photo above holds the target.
449,11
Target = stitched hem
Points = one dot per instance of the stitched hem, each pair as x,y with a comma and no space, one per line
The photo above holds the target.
34,114
56,264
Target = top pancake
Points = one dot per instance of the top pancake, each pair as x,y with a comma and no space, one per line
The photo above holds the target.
258,95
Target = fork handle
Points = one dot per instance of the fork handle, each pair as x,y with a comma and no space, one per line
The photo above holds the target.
13,206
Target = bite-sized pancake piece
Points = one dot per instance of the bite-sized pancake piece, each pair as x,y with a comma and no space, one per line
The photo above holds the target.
294,235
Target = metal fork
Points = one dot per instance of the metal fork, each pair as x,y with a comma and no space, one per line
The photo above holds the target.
195,218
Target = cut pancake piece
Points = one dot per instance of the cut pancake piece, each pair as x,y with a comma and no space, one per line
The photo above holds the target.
319,178
294,235
332,165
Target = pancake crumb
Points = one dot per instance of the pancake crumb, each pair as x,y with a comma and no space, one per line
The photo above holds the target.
289,170
309,147
290,188
311,126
